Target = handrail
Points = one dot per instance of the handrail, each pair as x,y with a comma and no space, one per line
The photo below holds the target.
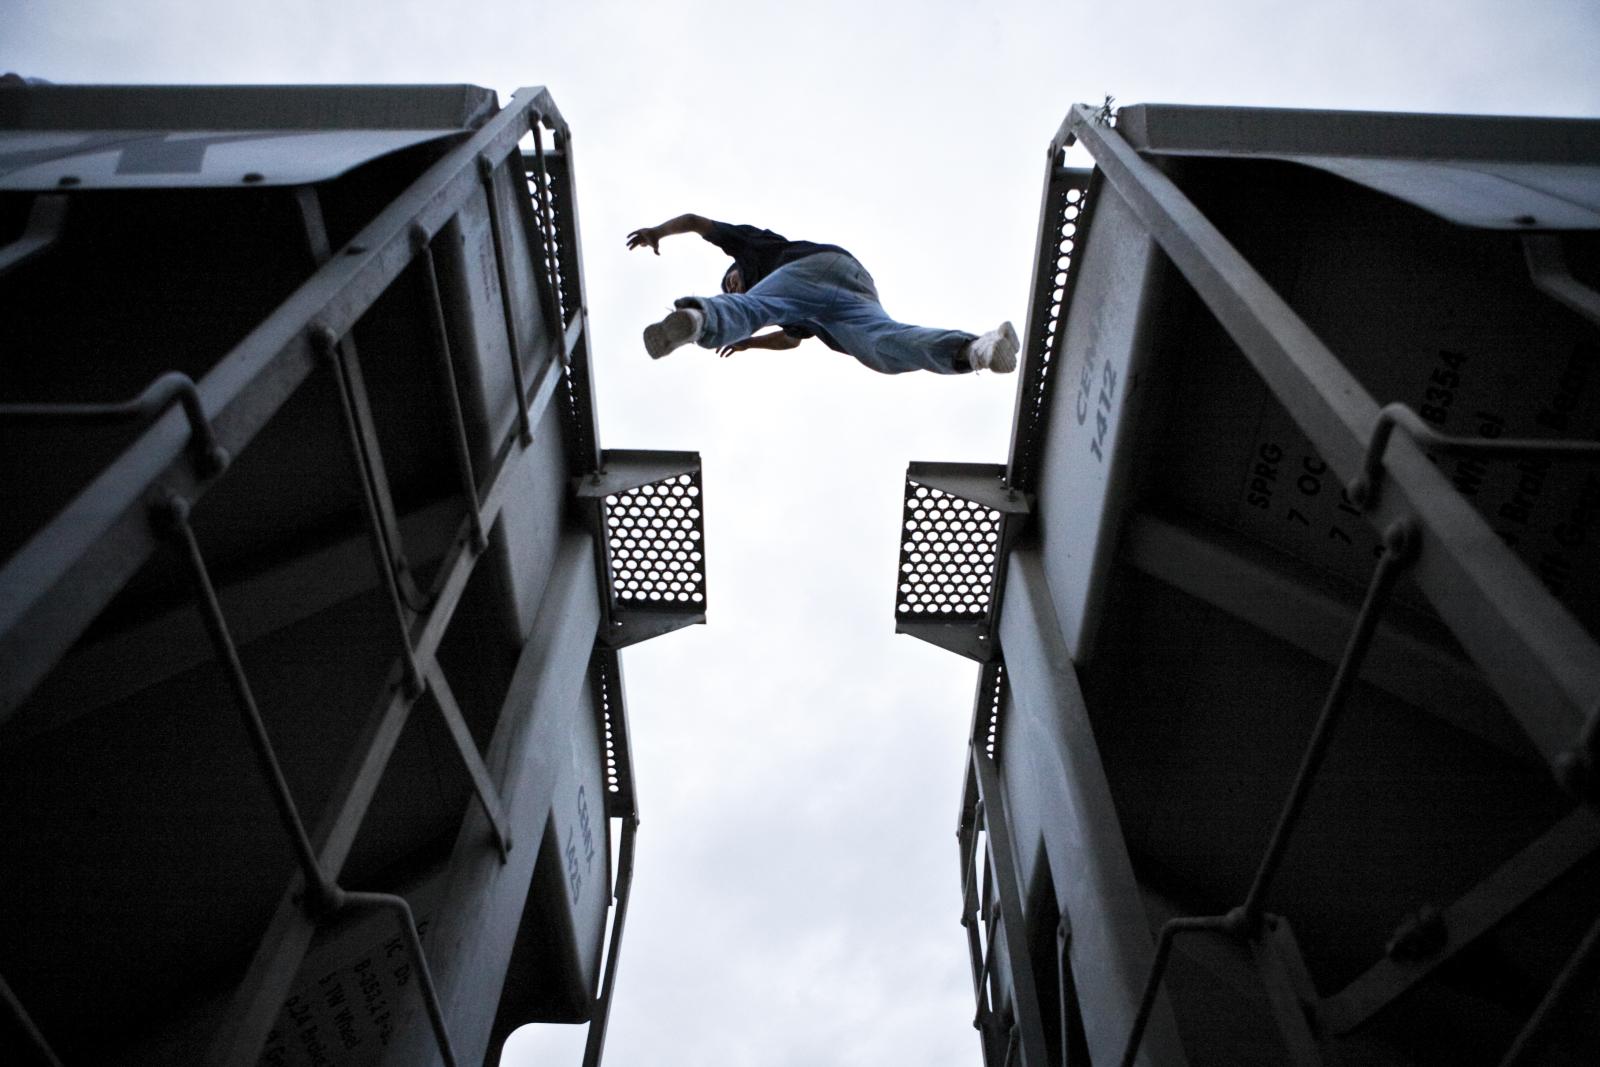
1363,487
173,387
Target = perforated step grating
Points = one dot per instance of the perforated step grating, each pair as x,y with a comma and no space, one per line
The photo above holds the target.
605,679
656,538
1062,232
947,556
986,711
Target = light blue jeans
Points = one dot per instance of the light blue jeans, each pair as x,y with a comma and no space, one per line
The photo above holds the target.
831,292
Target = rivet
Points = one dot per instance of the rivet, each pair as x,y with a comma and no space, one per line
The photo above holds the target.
253,177
324,341
168,512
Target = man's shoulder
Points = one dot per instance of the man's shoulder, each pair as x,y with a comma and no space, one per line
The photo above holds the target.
744,232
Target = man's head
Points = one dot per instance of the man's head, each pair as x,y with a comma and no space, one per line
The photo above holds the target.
733,281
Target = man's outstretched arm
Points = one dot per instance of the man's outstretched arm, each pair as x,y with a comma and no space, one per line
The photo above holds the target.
651,235
777,341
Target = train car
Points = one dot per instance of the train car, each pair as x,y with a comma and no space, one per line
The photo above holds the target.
1286,599
313,741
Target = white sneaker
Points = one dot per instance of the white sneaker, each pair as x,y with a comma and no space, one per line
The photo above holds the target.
996,350
680,328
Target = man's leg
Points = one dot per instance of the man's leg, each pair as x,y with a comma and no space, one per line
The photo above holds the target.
834,293
863,328
714,321
673,332
860,324
794,293
867,332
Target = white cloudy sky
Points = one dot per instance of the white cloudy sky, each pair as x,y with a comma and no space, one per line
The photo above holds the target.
799,766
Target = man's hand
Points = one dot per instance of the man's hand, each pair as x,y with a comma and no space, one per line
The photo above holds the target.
777,341
648,235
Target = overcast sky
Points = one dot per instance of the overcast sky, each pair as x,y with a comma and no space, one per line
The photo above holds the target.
798,766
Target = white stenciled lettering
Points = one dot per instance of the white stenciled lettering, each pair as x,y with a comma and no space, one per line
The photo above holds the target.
1263,476
1102,411
579,850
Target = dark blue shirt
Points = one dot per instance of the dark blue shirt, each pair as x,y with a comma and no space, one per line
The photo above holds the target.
757,253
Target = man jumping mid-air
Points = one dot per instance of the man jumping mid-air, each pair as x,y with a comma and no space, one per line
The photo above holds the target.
808,290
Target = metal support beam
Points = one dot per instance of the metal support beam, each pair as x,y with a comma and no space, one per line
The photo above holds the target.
1411,657
1112,948
572,337
98,674
1485,906
1069,1026
1539,659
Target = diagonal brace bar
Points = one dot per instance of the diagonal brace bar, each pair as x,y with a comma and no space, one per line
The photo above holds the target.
329,349
173,514
1399,548
1482,908
1580,968
22,1023
488,796
486,169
